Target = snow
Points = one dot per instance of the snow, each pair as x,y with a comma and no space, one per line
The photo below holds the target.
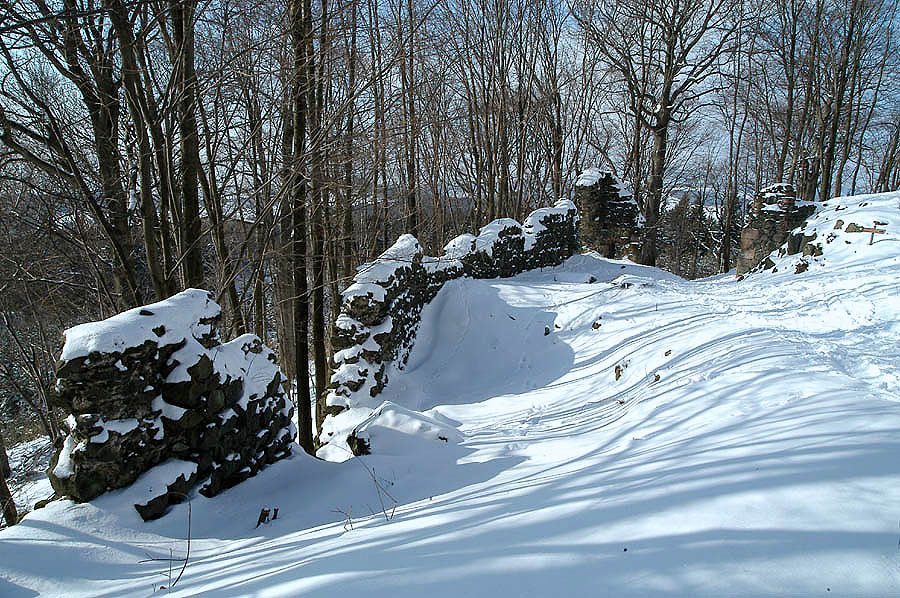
167,410
349,353
392,429
533,225
490,234
28,461
842,249
248,358
134,327
440,264
349,372
345,322
590,177
120,426
370,276
363,289
749,447
154,482
337,428
99,438
460,246
65,468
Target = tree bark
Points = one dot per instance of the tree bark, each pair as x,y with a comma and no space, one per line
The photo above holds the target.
347,195
411,128
300,13
5,470
654,188
319,198
837,105
135,96
183,28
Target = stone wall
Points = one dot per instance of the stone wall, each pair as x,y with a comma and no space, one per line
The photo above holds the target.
154,385
381,310
609,217
774,213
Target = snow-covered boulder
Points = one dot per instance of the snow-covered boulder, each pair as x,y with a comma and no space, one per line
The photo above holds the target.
499,250
551,233
153,384
394,429
378,283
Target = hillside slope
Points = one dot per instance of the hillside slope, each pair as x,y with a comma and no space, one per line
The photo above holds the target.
639,435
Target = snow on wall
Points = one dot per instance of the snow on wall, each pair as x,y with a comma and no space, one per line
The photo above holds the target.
191,310
155,384
380,311
590,177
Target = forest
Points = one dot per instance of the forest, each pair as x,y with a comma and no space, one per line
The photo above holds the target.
263,150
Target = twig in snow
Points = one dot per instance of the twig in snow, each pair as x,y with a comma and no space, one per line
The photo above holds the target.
171,559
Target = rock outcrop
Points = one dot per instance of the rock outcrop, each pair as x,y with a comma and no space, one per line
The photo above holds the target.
773,215
154,385
381,310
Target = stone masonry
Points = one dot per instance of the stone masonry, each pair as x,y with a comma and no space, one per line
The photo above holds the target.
609,218
381,310
155,385
773,215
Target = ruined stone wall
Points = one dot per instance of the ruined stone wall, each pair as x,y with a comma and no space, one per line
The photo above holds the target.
381,310
774,213
609,217
154,385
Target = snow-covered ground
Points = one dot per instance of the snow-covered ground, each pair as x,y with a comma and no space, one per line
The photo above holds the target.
636,436
29,483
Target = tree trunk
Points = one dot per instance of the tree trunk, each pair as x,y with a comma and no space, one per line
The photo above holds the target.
134,94
790,63
654,190
300,12
5,470
347,195
105,123
212,201
727,230
319,201
407,79
183,27
837,105
284,262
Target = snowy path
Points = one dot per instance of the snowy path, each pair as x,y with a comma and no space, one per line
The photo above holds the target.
762,462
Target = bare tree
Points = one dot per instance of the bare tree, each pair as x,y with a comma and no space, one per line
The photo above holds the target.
48,57
663,53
